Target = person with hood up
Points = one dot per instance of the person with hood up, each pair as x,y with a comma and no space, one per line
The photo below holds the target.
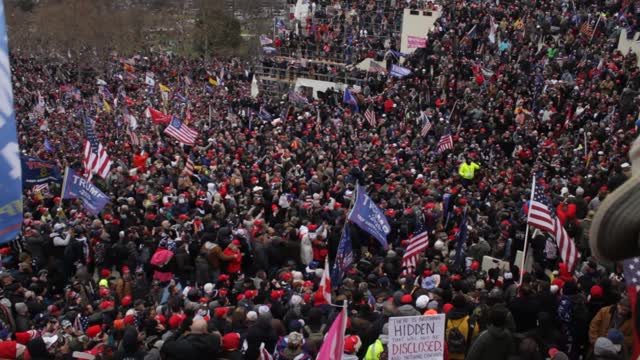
351,346
495,343
460,329
379,347
130,348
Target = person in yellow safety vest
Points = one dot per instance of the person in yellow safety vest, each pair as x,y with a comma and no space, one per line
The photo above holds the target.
379,346
468,170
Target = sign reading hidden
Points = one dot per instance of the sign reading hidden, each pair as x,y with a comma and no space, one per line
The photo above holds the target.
416,337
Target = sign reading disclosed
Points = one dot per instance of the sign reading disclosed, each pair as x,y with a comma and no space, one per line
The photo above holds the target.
37,171
78,187
416,337
368,216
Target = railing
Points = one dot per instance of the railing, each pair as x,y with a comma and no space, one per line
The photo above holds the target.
290,75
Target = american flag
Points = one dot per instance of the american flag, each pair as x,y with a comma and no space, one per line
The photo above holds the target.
631,269
96,160
586,29
135,140
370,115
543,217
426,125
445,143
188,167
181,132
417,245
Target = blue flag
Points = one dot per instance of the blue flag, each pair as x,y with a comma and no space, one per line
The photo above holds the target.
11,180
36,171
344,257
180,98
264,115
446,205
349,99
78,187
368,216
462,238
399,71
47,145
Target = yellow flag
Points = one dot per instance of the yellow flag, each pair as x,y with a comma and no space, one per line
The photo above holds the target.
107,107
164,88
213,82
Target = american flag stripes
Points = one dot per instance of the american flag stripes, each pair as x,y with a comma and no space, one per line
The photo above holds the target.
188,167
540,211
631,268
135,140
96,159
181,132
586,29
370,115
426,125
542,216
417,245
445,143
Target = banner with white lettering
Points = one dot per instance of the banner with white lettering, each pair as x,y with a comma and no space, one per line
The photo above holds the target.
416,337
78,187
11,179
368,216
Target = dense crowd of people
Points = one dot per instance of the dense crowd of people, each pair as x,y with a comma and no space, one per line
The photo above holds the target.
245,237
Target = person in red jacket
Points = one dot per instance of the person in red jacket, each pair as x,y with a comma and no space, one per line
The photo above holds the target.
234,266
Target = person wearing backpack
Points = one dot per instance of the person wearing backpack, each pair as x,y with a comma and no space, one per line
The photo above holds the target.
460,328
496,343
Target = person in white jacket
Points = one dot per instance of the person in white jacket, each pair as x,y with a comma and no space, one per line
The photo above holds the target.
308,234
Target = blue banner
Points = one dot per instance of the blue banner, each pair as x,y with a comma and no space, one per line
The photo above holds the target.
368,216
399,71
36,171
78,187
11,180
344,257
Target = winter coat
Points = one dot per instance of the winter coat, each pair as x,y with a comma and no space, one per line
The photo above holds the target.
234,266
602,322
306,250
216,256
261,333
459,319
494,343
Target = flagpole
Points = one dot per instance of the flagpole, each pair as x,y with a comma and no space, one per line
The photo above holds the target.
595,27
526,232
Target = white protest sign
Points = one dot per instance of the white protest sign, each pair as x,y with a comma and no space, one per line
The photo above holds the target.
416,337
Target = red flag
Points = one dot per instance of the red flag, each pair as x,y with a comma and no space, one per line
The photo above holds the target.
325,282
157,117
